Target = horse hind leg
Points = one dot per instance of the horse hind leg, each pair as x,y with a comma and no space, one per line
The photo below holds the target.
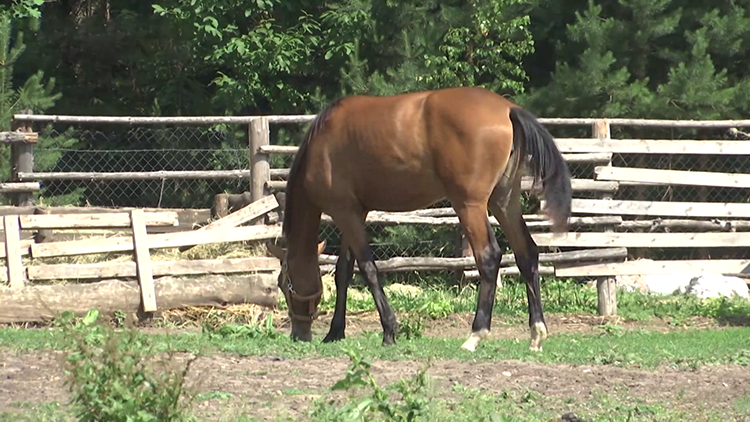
505,205
487,255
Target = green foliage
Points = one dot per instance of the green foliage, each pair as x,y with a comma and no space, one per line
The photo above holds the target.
109,376
414,404
243,331
637,58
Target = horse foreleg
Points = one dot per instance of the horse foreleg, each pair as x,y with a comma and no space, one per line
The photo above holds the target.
343,276
353,228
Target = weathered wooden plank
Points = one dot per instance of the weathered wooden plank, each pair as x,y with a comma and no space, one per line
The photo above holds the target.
25,247
95,220
654,146
186,217
142,175
657,208
156,241
387,218
143,261
577,185
245,214
401,264
15,187
643,240
19,137
105,270
241,216
576,157
543,270
14,264
673,177
643,266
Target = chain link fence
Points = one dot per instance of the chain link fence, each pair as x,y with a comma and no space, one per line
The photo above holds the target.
113,148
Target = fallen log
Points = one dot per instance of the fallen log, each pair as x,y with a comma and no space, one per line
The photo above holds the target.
43,303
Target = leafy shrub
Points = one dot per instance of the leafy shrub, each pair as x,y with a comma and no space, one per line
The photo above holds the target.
108,375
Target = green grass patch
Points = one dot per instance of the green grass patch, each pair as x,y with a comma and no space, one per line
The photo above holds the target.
646,349
558,297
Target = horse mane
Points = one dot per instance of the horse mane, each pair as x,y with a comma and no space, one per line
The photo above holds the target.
300,160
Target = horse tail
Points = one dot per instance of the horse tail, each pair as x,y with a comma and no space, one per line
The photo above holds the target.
546,164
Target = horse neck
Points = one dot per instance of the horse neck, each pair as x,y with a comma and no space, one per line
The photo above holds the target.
302,243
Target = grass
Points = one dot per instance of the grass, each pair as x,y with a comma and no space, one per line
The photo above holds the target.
558,297
642,349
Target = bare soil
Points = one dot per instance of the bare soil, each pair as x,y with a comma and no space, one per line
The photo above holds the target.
265,386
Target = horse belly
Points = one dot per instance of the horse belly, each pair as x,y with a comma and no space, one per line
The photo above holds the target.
399,191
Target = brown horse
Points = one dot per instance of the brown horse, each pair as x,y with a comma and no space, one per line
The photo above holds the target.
407,152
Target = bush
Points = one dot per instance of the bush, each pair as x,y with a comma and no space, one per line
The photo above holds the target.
108,375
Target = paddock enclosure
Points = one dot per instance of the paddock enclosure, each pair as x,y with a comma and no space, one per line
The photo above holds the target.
650,197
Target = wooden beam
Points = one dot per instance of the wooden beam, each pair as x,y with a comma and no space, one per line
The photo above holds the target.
394,219
13,261
16,187
643,240
241,216
96,220
143,261
144,175
105,270
44,303
19,137
653,146
578,185
247,213
658,208
673,177
186,217
401,264
543,270
595,157
642,267
155,241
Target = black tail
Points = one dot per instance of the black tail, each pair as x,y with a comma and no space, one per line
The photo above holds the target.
546,164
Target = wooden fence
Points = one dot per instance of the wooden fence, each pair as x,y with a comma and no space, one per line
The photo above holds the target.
601,252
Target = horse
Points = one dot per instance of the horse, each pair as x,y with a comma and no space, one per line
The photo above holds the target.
406,152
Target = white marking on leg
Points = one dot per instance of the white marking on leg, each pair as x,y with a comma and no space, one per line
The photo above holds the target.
474,339
538,335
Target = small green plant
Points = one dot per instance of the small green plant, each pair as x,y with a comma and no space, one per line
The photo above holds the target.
411,327
377,405
266,330
108,375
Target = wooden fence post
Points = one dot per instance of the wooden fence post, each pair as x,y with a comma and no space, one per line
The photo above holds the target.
13,261
606,287
22,161
143,261
259,135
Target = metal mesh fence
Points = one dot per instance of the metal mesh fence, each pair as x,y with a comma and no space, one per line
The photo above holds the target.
85,148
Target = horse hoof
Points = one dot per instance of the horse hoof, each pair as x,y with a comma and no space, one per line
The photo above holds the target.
538,335
331,338
474,339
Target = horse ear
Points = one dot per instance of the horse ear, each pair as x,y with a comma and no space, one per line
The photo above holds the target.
321,247
277,251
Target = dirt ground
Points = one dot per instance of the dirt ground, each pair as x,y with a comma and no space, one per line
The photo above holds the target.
261,386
